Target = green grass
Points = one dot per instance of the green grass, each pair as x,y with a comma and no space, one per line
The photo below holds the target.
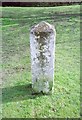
17,98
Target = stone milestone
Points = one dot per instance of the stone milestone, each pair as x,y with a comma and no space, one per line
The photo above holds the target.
42,47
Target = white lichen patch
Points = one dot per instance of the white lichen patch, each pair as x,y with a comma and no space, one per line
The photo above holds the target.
42,44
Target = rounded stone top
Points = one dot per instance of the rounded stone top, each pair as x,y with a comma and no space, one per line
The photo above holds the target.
42,27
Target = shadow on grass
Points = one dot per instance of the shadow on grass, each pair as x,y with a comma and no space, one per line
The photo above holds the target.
18,93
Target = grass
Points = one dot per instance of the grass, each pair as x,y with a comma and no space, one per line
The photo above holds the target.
17,98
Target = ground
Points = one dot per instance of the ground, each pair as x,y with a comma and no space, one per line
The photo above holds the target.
17,98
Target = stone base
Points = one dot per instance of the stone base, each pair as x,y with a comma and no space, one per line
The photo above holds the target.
44,86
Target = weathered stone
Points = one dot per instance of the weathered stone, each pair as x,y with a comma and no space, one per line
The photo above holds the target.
42,44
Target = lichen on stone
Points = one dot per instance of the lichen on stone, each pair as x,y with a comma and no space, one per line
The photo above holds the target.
42,29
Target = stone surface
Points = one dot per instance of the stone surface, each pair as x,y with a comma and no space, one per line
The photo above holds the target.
42,45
